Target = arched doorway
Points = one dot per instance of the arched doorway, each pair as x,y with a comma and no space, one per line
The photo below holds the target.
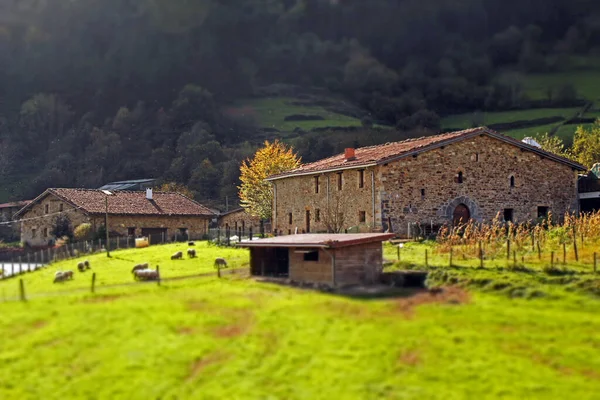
461,214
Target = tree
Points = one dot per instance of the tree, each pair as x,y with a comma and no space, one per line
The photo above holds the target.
62,227
175,187
256,194
334,218
553,144
586,144
83,231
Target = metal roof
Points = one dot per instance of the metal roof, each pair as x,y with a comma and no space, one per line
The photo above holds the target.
320,240
126,185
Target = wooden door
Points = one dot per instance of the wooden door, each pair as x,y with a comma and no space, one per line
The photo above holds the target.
307,221
461,215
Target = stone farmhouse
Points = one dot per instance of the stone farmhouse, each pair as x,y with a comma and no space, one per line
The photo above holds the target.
421,184
239,219
129,214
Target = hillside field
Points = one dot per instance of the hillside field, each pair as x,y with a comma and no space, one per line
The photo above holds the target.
237,338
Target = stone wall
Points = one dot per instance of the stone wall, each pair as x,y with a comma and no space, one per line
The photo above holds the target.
38,232
360,264
239,219
297,196
310,271
425,189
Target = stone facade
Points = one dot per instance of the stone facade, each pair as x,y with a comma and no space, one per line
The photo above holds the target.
38,231
332,206
237,219
484,174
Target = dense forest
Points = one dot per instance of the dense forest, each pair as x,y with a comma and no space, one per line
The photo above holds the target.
93,91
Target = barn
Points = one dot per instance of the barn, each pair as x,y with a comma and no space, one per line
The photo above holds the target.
333,259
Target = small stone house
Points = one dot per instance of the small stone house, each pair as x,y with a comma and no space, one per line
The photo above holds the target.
421,184
239,219
332,259
131,214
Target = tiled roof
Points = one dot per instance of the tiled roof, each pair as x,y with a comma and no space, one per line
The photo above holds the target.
372,155
92,201
323,240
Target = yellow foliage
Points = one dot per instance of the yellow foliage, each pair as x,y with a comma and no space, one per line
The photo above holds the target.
256,194
176,188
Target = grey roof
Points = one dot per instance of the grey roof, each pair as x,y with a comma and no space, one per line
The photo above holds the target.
127,185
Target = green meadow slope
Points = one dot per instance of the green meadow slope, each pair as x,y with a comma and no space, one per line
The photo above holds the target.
237,338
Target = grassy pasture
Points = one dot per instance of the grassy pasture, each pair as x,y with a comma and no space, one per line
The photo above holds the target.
271,112
586,82
117,269
464,121
237,338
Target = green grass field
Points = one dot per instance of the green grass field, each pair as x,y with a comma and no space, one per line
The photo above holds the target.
464,121
117,269
271,112
237,338
586,82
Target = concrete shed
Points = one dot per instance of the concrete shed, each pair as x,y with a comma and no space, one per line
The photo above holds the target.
334,259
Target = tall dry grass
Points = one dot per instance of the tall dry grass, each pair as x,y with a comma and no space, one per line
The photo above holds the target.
579,235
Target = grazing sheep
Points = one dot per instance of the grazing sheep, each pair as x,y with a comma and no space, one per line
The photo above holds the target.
146,275
191,244
87,264
220,263
191,253
61,276
139,267
81,267
177,256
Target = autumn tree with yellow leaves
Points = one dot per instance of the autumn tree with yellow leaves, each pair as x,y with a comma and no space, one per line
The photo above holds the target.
256,194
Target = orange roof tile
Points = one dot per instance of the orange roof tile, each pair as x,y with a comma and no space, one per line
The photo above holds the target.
92,201
373,155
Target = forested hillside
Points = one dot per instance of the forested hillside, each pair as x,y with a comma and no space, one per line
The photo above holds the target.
99,90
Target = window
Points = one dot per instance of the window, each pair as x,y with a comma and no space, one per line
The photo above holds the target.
422,193
361,178
459,177
60,207
46,208
542,212
46,232
512,181
33,232
131,231
311,256
340,180
316,184
476,157
290,218
362,217
289,232
318,215
508,215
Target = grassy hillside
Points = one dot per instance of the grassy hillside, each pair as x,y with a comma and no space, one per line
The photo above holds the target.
271,112
236,338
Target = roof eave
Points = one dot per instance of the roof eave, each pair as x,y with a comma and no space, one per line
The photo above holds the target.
323,171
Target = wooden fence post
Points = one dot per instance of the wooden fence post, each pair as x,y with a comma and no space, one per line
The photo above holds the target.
552,259
28,262
22,290
450,256
508,249
480,255
595,262
250,233
158,275
398,251
564,253
93,282
426,258
575,244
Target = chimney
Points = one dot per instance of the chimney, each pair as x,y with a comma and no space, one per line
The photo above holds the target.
349,154
149,194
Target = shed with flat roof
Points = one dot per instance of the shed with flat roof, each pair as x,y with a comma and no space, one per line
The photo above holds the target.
334,259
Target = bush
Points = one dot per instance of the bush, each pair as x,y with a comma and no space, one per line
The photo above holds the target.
83,231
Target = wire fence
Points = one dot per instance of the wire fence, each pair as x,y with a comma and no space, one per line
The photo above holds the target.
31,259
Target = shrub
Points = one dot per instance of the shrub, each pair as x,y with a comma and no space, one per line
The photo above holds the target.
83,231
